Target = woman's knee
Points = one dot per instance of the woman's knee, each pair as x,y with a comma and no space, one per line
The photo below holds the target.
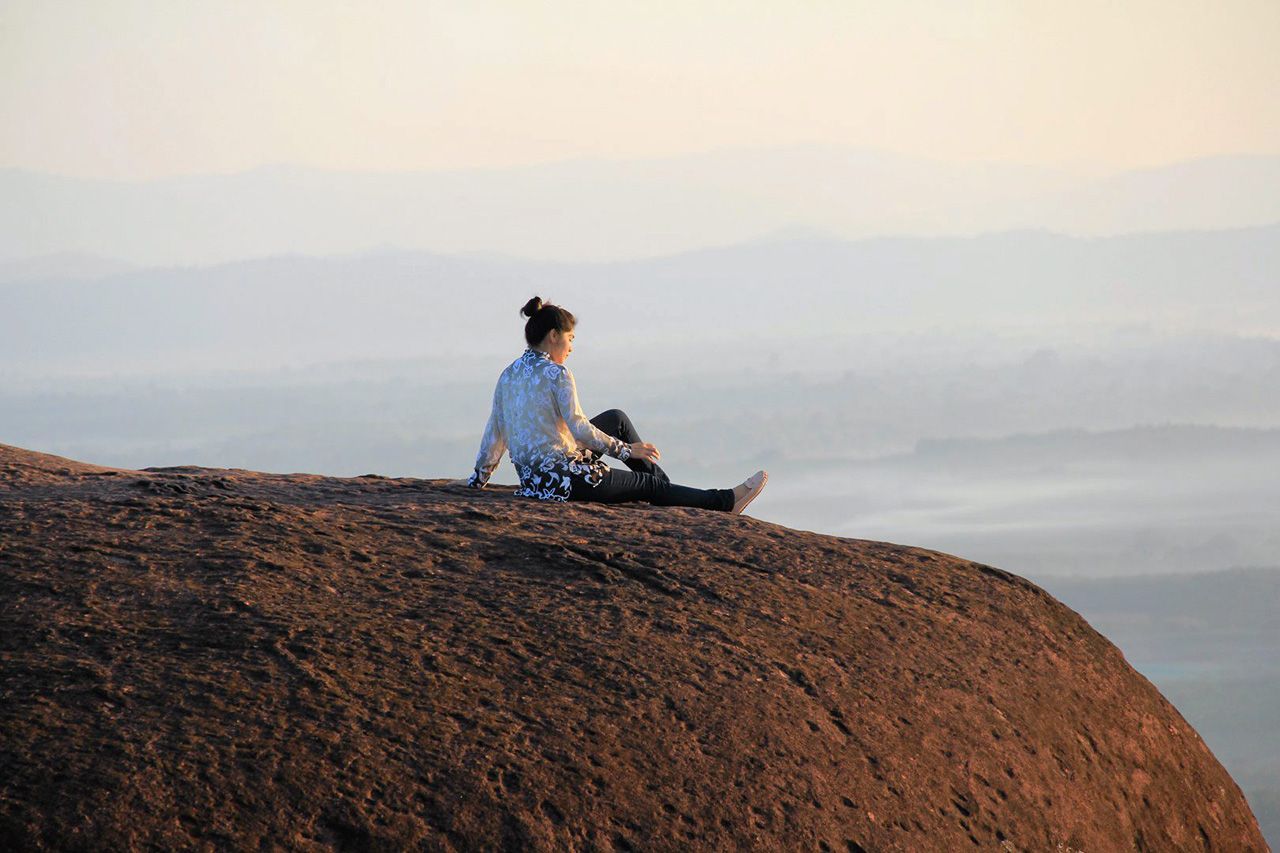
612,421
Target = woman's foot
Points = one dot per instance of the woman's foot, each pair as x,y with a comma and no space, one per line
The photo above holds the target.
746,491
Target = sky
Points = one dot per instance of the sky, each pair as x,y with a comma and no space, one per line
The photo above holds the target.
124,89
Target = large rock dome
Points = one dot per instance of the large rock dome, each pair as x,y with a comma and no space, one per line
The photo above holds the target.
199,658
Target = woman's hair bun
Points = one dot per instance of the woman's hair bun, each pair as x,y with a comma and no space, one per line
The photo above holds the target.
543,317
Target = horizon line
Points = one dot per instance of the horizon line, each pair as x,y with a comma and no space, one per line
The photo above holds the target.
774,237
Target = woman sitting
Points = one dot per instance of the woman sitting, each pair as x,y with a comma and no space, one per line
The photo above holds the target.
558,453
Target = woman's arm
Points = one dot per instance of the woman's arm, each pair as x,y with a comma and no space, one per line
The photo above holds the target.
566,396
492,446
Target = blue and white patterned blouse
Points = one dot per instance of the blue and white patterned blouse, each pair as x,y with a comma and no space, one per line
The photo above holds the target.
537,415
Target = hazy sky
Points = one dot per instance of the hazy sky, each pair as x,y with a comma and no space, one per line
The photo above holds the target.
118,88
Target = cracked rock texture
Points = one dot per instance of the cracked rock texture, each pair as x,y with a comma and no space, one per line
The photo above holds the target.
204,659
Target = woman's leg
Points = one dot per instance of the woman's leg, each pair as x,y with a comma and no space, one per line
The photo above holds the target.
620,486
615,422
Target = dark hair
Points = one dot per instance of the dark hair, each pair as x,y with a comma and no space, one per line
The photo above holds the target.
543,317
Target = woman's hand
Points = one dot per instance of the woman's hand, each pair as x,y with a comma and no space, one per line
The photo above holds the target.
644,451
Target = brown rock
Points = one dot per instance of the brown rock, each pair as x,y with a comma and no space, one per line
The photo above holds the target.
211,659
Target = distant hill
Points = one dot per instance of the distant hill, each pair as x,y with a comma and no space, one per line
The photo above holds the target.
599,210
274,311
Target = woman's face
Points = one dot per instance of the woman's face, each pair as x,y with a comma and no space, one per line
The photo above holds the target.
558,345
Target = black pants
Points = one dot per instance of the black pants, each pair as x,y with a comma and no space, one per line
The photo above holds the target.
645,481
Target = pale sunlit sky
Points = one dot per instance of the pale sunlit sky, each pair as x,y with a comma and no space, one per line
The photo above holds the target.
126,89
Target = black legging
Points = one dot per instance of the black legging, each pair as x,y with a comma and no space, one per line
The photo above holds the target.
645,481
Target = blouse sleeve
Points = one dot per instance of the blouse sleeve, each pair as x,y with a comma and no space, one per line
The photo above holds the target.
566,395
492,445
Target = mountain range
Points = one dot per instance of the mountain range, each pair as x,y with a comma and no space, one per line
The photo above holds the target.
792,294
601,210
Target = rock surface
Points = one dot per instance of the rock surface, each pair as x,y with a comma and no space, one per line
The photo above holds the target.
207,659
